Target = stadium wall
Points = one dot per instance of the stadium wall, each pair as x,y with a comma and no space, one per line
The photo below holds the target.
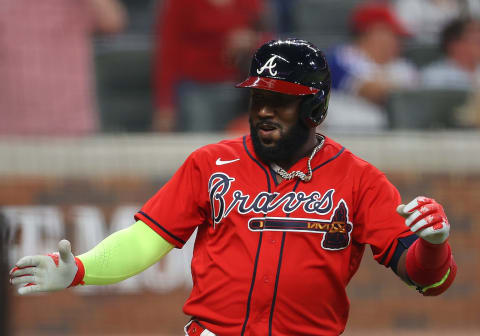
86,188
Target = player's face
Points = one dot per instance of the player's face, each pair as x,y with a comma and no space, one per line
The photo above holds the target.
276,130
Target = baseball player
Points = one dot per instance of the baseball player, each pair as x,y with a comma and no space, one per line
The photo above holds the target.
283,217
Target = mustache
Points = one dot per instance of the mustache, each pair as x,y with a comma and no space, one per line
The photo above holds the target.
267,123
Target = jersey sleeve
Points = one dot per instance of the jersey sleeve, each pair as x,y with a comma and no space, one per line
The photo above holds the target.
179,206
380,223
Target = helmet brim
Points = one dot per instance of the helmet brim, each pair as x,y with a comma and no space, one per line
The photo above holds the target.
277,85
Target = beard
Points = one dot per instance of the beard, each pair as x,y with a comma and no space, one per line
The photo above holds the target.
285,148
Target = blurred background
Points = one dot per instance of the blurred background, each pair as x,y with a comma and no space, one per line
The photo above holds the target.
102,100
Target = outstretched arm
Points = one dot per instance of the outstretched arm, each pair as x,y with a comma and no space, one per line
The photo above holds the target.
428,263
119,256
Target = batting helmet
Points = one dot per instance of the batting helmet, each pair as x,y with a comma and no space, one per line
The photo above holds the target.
294,67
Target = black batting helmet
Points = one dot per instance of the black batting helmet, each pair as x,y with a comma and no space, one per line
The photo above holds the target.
294,67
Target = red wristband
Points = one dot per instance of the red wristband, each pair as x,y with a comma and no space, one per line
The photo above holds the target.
78,280
427,263
442,287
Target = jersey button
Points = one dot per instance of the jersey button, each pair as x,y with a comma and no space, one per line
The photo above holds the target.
266,279
273,240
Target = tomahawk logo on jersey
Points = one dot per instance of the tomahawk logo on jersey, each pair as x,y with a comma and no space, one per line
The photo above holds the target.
275,256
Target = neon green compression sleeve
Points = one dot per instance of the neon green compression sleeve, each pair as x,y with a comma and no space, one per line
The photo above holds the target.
123,254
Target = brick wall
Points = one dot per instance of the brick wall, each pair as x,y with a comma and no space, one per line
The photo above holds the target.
379,300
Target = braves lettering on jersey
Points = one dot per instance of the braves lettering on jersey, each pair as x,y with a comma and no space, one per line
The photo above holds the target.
274,258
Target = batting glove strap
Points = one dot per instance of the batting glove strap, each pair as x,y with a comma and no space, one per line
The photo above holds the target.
78,280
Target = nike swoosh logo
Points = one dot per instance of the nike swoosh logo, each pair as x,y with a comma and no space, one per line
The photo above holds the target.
220,162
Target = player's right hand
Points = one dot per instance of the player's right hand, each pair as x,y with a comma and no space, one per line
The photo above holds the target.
43,273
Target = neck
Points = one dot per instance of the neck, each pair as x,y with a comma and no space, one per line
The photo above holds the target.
303,151
303,175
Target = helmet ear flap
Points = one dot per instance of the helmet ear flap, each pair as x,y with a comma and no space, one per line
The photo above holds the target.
313,108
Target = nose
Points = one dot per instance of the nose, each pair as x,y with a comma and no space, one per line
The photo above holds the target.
266,111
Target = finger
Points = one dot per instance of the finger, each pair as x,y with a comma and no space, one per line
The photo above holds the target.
421,224
14,269
24,271
422,212
413,218
65,250
435,235
23,280
29,289
430,230
401,212
430,220
439,228
29,261
415,203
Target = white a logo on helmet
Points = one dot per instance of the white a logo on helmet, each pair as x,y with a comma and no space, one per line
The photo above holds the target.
270,65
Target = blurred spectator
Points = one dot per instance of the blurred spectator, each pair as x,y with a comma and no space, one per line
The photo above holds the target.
46,66
371,67
425,18
284,15
202,44
460,68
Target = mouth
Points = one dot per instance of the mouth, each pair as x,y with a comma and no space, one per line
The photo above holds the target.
268,131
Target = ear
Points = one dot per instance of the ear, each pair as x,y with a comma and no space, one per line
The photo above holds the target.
313,108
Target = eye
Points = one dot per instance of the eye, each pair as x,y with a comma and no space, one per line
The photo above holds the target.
256,101
286,100
273,100
276,103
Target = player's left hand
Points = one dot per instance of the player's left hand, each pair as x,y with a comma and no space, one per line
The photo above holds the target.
425,217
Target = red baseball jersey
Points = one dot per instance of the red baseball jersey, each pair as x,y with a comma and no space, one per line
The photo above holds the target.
274,258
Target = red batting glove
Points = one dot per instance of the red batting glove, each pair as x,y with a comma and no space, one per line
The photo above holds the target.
429,260
426,218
